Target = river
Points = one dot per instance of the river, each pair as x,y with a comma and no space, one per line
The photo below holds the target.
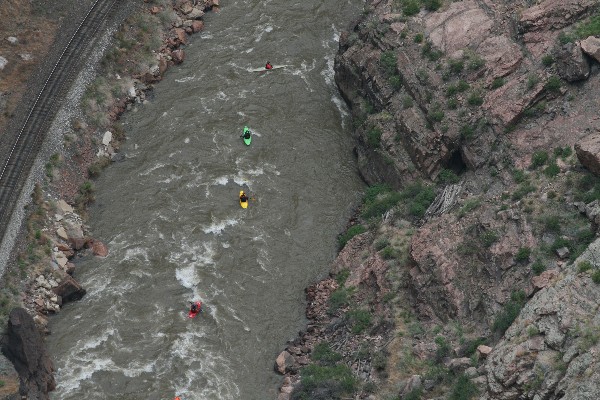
171,218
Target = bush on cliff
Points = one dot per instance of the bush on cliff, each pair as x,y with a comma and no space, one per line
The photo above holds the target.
350,233
323,353
510,312
325,383
418,198
378,200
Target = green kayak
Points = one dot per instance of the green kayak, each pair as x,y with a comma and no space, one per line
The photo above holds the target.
247,136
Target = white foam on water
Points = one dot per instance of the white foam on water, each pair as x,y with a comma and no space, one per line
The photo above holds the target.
152,169
250,50
225,245
186,140
206,36
221,180
186,79
218,226
164,114
135,369
222,96
75,371
136,253
97,341
170,179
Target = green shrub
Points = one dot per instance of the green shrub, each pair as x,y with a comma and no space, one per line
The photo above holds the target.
563,152
388,253
451,90
552,170
471,345
339,298
378,200
596,276
342,276
462,86
396,81
463,389
552,223
335,380
584,266
350,233
410,7
432,5
436,115
429,52
456,66
469,206
360,320
418,198
447,176
415,394
564,38
452,103
523,254
538,159
443,348
498,82
523,190
476,62
488,238
323,353
510,312
553,85
374,137
407,102
589,28
467,131
381,244
519,175
388,60
538,267
418,38
532,80
547,60
475,99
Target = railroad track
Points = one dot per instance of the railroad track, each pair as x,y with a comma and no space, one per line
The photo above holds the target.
33,130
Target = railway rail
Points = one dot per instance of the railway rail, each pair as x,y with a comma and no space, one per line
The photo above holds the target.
33,130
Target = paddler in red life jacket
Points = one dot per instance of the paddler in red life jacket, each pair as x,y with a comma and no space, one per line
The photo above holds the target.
243,197
196,307
268,66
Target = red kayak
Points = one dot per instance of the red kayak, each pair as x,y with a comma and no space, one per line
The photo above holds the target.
192,314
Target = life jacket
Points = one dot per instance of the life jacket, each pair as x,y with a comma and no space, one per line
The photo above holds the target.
268,66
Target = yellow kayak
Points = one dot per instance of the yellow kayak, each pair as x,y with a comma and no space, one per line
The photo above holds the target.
244,204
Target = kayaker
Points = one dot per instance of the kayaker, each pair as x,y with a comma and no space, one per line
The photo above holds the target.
243,197
196,307
246,134
268,65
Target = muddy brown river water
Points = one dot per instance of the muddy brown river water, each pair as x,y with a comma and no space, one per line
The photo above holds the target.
176,232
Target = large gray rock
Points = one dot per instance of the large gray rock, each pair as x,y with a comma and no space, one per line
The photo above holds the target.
24,347
591,46
571,63
588,153
551,351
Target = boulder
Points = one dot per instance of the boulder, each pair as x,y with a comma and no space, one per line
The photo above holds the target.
64,206
544,279
181,35
178,56
69,290
196,13
12,40
571,63
186,8
155,10
554,14
459,364
23,345
62,233
483,350
197,26
284,362
3,62
99,249
588,152
591,46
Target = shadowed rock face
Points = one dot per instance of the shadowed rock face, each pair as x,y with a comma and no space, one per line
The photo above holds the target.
23,345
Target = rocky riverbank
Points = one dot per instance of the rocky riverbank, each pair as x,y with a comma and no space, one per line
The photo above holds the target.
40,281
476,125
